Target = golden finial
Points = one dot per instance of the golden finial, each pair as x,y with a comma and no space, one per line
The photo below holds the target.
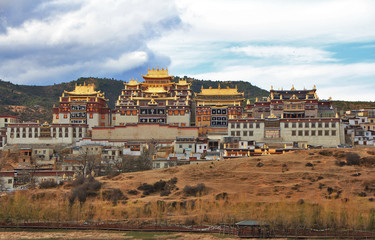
330,99
248,101
271,87
219,86
314,88
157,69
293,88
256,99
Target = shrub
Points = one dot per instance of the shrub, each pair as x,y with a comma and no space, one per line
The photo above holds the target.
165,193
260,164
309,164
330,190
368,161
48,184
194,190
133,192
352,159
113,195
158,186
222,196
84,187
340,163
362,194
326,153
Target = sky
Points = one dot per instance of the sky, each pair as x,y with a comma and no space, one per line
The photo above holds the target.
279,43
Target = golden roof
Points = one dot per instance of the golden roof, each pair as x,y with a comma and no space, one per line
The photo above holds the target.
163,73
132,82
219,91
183,83
84,89
155,90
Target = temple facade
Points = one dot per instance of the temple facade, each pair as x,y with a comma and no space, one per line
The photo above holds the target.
156,100
83,105
293,117
214,107
291,104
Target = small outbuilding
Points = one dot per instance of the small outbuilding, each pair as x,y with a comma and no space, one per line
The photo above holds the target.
253,228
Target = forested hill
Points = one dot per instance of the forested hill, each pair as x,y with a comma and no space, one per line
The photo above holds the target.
31,103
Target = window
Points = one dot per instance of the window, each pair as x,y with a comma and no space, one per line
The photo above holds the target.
232,133
9,181
300,125
244,125
65,116
190,146
326,125
307,124
313,133
294,125
238,125
91,115
286,125
333,124
333,133
251,133
313,124
238,133
233,125
320,125
244,133
250,125
57,116
326,133
293,132
306,132
320,133
114,118
300,133
257,125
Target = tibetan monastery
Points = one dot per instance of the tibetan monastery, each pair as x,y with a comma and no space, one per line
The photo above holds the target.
291,104
215,106
156,100
83,105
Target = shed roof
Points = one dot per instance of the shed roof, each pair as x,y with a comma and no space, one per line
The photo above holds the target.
250,223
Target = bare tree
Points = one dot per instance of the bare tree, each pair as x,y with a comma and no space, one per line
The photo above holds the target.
134,164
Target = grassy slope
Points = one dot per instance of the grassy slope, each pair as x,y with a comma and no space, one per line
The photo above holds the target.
273,193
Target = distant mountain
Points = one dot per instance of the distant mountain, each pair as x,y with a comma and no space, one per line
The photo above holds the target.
32,103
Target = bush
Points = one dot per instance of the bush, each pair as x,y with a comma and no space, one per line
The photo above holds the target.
84,187
326,153
309,164
48,184
133,192
165,193
352,159
113,195
222,196
368,161
194,190
160,186
260,164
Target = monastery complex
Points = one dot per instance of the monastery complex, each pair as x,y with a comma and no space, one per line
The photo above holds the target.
187,127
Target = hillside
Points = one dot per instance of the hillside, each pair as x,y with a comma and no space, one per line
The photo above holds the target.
306,188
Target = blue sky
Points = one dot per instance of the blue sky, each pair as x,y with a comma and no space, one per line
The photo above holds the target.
327,43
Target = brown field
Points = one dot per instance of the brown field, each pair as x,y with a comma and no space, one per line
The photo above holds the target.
283,192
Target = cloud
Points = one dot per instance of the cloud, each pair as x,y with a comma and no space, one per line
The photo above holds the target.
89,37
286,53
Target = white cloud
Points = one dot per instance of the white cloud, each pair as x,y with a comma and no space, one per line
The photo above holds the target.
86,37
342,78
286,53
125,62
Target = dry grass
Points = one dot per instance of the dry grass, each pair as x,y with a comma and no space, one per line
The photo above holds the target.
283,192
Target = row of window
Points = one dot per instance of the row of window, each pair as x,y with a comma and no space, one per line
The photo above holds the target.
245,125
288,125
314,133
294,133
